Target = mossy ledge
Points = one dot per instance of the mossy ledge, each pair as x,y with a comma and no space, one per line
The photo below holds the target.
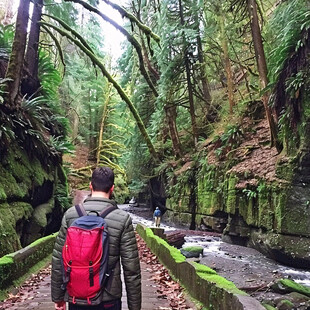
202,283
17,265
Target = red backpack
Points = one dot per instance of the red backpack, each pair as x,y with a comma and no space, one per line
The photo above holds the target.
85,255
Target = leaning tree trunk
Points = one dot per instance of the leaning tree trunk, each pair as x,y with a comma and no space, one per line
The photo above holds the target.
118,88
32,83
103,121
16,61
261,65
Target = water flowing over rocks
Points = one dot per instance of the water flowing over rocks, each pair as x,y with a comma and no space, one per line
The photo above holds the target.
247,268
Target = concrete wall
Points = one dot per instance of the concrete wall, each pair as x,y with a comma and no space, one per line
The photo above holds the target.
202,283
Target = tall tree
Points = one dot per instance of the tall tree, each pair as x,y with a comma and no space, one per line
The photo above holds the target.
226,58
261,65
188,77
16,61
31,83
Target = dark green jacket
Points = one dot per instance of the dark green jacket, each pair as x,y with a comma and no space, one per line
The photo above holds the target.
122,246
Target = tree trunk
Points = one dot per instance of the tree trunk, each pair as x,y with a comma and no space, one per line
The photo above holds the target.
171,115
202,66
192,205
227,65
103,119
203,77
261,65
32,83
92,119
189,82
16,61
191,100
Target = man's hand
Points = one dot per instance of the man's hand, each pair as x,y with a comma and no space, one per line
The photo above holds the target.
61,305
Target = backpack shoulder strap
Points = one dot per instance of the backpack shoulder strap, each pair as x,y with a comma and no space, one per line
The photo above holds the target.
80,210
107,210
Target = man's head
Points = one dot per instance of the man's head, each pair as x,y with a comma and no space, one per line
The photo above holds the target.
102,180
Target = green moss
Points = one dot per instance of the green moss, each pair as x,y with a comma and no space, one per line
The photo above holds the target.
3,195
295,287
231,202
193,248
5,260
175,253
9,240
9,185
202,269
207,191
268,307
222,283
33,270
42,240
10,214
19,174
41,211
286,302
21,210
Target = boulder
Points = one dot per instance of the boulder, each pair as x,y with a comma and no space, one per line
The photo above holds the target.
193,251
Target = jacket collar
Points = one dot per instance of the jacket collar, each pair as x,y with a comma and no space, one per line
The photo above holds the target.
106,200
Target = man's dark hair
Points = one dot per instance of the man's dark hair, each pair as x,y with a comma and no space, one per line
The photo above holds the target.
102,179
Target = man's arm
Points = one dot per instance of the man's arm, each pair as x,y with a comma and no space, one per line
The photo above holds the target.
57,279
131,266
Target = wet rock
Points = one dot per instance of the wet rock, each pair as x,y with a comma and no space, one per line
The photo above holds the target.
286,249
284,286
176,239
285,305
194,251
293,301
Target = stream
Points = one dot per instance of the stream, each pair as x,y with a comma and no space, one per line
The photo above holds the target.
246,267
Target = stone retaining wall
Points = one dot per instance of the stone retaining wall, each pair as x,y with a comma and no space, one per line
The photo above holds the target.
17,264
202,283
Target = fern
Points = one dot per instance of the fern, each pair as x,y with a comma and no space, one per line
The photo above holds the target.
49,76
286,27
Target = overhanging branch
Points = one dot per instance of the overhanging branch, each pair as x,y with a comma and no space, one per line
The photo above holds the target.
129,37
146,30
119,89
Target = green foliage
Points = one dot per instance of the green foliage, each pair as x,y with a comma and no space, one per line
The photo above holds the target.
61,146
6,36
288,22
250,194
229,140
295,83
37,118
49,76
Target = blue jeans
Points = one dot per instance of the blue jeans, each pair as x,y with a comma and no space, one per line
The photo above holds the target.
109,305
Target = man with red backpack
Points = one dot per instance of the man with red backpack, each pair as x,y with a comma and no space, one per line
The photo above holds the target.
93,240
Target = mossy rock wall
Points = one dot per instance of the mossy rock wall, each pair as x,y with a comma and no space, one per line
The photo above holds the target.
272,216
27,203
